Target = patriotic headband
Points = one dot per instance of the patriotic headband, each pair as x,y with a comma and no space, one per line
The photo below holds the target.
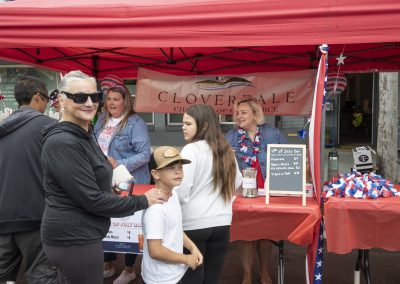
112,82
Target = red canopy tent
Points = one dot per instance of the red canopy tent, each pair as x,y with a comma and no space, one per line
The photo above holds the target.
188,37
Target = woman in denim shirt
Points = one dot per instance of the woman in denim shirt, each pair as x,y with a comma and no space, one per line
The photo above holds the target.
249,140
123,137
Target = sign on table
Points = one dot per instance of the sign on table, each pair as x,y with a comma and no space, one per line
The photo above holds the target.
286,170
125,235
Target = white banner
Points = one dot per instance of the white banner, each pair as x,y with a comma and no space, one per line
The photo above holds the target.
280,93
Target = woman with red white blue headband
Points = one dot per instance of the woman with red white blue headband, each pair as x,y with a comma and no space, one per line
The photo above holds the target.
123,137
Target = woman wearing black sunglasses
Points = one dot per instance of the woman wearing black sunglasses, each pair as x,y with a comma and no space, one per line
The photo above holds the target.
77,182
123,137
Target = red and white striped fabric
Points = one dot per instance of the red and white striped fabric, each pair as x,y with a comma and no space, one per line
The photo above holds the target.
336,84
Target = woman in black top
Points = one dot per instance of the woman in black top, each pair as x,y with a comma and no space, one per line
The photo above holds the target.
77,181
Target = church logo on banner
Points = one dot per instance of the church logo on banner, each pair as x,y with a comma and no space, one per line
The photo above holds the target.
279,93
223,84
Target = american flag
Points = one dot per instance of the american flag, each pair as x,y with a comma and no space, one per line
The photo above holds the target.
314,259
314,252
319,257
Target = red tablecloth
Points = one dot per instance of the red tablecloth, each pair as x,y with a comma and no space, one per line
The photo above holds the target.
283,219
139,189
362,224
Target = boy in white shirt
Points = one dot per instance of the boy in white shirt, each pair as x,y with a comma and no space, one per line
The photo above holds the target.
163,259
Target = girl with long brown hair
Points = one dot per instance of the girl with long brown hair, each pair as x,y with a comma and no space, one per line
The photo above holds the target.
206,191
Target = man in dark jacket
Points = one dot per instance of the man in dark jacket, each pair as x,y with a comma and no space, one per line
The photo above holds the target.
21,185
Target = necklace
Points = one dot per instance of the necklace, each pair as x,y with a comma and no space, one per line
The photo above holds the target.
249,149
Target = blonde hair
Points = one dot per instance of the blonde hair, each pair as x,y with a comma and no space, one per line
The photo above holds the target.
255,108
75,75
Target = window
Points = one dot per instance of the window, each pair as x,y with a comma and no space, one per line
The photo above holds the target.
293,122
174,118
148,117
9,75
226,119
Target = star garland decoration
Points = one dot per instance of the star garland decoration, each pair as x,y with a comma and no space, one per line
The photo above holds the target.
340,59
340,62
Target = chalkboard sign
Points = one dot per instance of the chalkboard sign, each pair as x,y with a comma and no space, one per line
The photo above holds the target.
286,170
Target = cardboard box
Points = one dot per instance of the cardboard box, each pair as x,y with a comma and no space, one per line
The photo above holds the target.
363,159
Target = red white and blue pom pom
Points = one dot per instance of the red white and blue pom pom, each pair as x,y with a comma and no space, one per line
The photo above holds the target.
357,185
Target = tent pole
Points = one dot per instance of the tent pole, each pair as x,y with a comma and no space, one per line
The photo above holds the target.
95,63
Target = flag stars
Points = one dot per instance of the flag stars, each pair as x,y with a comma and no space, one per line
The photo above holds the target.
341,59
320,250
319,263
318,276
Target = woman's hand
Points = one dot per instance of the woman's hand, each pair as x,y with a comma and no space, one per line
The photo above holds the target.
156,196
113,162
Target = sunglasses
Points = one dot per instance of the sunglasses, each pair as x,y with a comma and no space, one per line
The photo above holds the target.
81,98
54,95
44,96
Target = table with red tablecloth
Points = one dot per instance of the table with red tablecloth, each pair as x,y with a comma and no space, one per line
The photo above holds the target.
140,189
362,224
283,219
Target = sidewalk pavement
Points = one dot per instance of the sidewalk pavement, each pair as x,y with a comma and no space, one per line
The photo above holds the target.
337,269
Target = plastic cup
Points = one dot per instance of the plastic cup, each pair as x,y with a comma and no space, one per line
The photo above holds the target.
249,184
